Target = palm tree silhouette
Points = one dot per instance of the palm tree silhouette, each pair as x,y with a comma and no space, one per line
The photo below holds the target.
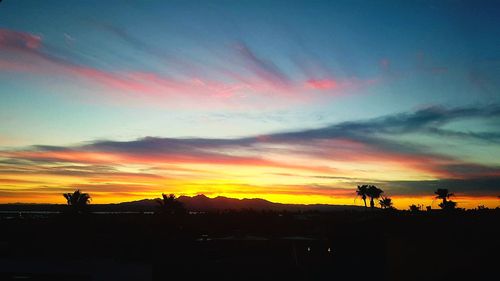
373,192
444,194
362,192
78,201
170,205
385,202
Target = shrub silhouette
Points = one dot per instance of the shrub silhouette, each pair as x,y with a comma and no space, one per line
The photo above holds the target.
385,202
448,205
415,208
78,201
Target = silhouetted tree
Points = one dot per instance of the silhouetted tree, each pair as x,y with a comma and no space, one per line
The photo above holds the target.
415,208
78,201
444,194
362,192
170,205
448,205
373,192
385,202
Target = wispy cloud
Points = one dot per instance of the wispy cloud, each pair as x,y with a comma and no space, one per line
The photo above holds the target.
19,41
264,69
322,84
333,157
256,80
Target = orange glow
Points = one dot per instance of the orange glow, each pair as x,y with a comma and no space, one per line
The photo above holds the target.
401,203
284,178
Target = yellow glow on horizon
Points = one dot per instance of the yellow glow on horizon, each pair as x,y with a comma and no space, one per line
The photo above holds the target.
401,203
279,178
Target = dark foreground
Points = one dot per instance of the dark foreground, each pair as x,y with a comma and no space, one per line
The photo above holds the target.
344,245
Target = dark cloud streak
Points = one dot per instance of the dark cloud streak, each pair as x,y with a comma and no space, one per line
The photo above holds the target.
379,136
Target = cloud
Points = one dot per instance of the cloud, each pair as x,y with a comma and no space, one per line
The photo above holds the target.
356,149
246,80
487,186
335,156
264,69
19,41
322,84
424,120
24,53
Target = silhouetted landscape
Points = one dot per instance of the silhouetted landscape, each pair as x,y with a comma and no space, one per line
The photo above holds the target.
250,239
199,203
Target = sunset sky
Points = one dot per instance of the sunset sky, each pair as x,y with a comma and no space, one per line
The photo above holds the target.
290,101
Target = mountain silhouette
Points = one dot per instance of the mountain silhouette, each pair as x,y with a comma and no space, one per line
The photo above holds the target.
203,203
198,203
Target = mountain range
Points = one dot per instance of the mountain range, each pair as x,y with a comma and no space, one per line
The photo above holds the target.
200,203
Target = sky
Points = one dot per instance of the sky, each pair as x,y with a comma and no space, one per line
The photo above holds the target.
290,101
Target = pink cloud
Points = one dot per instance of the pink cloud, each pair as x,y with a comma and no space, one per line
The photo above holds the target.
261,82
111,158
19,40
339,86
336,150
347,150
321,84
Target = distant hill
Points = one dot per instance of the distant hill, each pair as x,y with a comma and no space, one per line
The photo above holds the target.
204,203
199,203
